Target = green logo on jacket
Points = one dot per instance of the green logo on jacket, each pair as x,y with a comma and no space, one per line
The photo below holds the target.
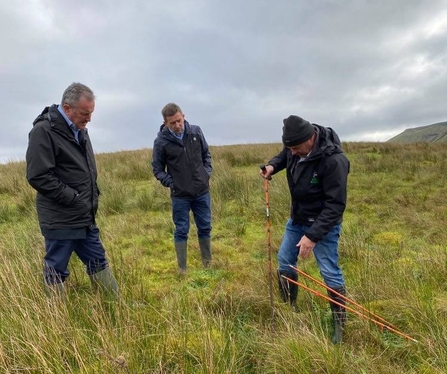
315,179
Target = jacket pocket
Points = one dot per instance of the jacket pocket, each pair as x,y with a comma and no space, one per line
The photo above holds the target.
82,203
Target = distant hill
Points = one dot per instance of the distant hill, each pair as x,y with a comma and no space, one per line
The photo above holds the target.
431,134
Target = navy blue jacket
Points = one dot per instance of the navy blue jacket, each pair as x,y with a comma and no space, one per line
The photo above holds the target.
182,165
62,172
318,184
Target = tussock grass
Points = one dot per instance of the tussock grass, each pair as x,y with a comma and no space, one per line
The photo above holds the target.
219,320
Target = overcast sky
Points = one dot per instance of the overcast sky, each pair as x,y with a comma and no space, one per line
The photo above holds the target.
368,69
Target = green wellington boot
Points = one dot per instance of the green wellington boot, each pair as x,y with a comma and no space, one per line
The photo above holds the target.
205,251
181,249
105,280
56,290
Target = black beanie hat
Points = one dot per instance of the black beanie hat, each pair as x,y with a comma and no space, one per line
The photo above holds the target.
296,131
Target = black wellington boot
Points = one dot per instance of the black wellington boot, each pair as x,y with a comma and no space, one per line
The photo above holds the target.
288,290
339,315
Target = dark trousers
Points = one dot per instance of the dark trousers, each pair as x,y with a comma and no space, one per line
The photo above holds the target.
201,210
58,252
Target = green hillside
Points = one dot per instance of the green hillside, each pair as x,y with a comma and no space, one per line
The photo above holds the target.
219,320
431,134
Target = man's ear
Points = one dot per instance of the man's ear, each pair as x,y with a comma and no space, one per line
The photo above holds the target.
66,107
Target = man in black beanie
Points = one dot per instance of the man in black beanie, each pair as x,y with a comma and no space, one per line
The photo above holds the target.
317,173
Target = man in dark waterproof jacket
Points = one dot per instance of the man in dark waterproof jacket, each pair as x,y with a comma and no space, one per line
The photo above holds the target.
181,161
317,173
60,166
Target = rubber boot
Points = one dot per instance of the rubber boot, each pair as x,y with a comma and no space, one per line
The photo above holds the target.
181,248
56,290
288,290
205,251
105,280
339,315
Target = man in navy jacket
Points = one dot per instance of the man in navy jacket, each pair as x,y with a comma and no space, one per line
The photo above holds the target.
181,161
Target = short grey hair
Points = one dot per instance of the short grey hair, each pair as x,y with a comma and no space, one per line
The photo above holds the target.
74,92
169,110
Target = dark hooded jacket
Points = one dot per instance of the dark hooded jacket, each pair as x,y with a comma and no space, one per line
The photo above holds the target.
318,184
182,165
62,172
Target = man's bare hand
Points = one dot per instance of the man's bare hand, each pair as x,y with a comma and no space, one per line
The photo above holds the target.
266,172
305,246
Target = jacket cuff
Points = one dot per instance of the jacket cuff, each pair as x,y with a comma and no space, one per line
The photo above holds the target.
312,237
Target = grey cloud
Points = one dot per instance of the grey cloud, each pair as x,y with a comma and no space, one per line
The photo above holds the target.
236,68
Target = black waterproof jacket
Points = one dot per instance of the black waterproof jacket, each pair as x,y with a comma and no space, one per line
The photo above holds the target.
318,184
62,172
182,165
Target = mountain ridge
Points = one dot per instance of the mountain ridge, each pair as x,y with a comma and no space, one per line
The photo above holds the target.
434,133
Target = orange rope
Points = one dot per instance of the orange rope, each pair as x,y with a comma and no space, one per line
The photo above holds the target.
342,296
388,326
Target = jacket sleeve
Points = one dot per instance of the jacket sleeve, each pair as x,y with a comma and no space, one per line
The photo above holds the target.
279,162
159,165
206,155
40,166
335,191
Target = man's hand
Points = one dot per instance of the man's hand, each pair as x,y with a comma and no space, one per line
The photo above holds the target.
305,246
266,171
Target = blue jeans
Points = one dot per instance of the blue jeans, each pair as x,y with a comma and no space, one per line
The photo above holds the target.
58,252
325,252
201,209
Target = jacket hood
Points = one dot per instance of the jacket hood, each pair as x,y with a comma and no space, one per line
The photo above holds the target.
49,113
328,141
